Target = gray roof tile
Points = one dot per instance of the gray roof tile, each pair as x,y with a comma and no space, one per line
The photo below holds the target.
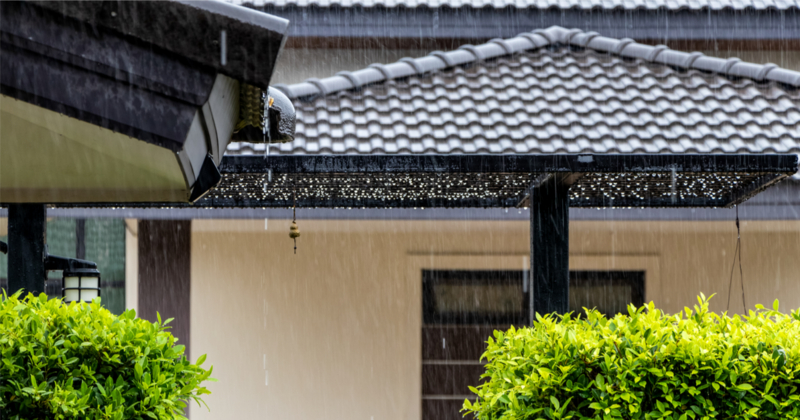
542,4
549,96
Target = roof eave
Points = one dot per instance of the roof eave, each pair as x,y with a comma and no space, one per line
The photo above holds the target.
449,23
238,42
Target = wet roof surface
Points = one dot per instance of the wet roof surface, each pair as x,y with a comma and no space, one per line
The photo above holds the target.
459,181
484,181
552,91
544,4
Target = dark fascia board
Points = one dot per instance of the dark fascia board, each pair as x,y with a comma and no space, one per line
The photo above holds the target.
246,52
487,23
96,75
781,202
786,164
242,175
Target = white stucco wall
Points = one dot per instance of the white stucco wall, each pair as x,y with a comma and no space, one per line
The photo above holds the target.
334,332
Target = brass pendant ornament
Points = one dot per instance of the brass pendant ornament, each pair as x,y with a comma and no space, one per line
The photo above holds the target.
294,233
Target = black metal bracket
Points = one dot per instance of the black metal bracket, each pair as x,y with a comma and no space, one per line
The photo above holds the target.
208,178
56,263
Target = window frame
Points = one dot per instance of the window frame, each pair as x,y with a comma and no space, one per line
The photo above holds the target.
430,278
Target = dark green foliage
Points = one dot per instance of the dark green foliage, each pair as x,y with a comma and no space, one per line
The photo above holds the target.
80,361
645,365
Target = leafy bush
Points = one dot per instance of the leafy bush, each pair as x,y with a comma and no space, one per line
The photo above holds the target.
645,365
79,360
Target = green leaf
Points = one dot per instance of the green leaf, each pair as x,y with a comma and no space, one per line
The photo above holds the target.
601,382
74,361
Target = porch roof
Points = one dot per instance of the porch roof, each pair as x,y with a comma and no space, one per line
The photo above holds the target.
463,181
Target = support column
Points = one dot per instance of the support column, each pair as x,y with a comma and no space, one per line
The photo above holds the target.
550,246
164,274
27,240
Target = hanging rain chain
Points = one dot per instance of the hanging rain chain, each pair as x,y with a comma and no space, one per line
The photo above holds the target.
294,231
737,254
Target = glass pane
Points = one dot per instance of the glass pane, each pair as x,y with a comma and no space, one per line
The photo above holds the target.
477,298
610,292
606,298
473,297
105,245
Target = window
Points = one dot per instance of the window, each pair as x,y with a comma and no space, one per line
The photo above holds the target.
501,296
98,240
475,297
610,292
461,309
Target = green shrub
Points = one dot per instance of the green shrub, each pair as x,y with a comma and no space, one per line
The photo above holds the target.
645,365
80,361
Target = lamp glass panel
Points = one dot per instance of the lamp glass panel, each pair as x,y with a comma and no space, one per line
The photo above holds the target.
71,295
83,282
89,282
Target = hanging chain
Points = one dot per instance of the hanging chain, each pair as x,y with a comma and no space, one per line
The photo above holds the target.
294,214
294,231
737,254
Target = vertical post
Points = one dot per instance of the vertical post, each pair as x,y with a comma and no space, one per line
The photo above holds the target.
27,239
550,246
165,274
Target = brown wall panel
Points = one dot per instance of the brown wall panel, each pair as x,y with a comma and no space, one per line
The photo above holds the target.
164,274
450,379
466,342
444,410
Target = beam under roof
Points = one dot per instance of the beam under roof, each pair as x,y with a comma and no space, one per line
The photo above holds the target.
464,181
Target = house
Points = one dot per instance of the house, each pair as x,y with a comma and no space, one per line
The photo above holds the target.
342,329
345,329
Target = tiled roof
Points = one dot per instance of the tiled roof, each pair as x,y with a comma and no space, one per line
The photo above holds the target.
544,4
550,91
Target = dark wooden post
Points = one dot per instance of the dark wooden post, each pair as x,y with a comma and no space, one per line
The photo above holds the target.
550,246
164,274
27,241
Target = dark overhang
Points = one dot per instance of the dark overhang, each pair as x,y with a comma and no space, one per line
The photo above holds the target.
462,181
189,30
467,23
92,86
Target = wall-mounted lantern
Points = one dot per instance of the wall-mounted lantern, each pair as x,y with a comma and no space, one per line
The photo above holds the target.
80,281
82,285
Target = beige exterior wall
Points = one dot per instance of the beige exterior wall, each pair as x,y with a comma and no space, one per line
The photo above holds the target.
298,64
334,331
132,264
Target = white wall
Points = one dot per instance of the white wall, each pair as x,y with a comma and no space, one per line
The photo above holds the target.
334,331
131,264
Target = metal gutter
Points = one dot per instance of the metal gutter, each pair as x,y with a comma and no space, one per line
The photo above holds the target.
472,23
